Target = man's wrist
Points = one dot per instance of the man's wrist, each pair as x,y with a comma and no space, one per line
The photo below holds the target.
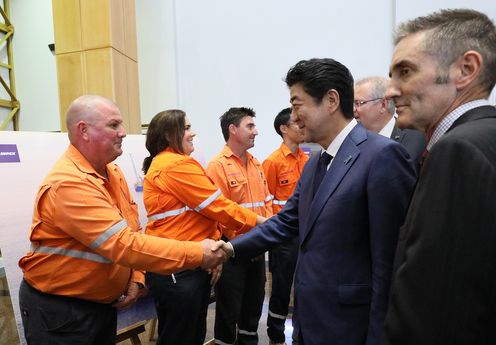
231,249
140,285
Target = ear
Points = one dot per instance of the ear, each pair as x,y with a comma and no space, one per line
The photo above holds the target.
332,97
469,66
232,129
283,128
82,129
384,103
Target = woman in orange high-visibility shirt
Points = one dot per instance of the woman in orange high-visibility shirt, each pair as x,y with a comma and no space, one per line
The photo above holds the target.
182,203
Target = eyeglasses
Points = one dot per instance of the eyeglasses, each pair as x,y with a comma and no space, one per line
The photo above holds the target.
359,103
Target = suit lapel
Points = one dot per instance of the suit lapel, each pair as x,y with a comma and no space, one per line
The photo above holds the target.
397,134
345,158
474,114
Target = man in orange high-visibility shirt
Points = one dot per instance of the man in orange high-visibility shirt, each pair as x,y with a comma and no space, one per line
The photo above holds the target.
283,169
85,237
241,288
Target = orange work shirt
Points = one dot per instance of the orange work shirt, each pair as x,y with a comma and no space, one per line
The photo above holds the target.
243,184
85,235
283,169
183,203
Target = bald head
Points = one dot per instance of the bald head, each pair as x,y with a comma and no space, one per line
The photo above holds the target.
95,128
87,108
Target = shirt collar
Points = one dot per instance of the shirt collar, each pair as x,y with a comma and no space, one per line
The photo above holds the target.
83,164
227,152
449,119
388,128
334,146
286,151
80,161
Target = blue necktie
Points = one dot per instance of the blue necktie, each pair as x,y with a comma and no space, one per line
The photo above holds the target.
324,161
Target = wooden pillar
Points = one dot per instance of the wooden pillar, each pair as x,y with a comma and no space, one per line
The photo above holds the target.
96,52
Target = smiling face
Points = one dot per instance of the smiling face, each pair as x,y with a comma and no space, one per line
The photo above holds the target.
187,142
421,90
292,132
105,132
245,133
309,115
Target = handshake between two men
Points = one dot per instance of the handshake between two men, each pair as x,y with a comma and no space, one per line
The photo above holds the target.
215,253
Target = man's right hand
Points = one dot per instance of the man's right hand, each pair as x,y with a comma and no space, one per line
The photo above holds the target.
211,256
226,247
261,220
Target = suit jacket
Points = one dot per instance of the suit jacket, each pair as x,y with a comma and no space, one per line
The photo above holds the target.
444,288
347,238
413,141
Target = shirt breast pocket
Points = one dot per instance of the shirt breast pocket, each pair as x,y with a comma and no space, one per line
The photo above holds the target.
288,179
237,187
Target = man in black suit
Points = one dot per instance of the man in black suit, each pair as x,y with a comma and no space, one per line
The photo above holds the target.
376,113
444,286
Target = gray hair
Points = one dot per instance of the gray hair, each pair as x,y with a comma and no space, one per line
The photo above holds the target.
377,89
452,32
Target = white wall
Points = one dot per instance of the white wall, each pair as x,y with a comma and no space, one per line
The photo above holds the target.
156,32
34,65
406,10
233,53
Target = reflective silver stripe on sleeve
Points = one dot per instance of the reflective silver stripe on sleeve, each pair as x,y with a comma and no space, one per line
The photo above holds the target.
277,316
242,331
253,204
208,201
72,253
107,234
279,202
169,213
220,342
179,211
269,198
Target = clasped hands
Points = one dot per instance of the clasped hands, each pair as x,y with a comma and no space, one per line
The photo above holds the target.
215,253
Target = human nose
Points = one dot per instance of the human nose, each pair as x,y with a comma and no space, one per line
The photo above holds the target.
392,90
122,132
295,118
355,111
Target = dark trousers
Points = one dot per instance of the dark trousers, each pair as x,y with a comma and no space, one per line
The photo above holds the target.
58,320
181,306
282,262
239,296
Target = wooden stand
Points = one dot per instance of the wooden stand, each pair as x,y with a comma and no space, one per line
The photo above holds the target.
132,333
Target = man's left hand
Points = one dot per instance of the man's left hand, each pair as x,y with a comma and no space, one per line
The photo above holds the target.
130,297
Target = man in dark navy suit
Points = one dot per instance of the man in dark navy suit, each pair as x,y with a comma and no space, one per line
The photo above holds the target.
347,225
376,113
